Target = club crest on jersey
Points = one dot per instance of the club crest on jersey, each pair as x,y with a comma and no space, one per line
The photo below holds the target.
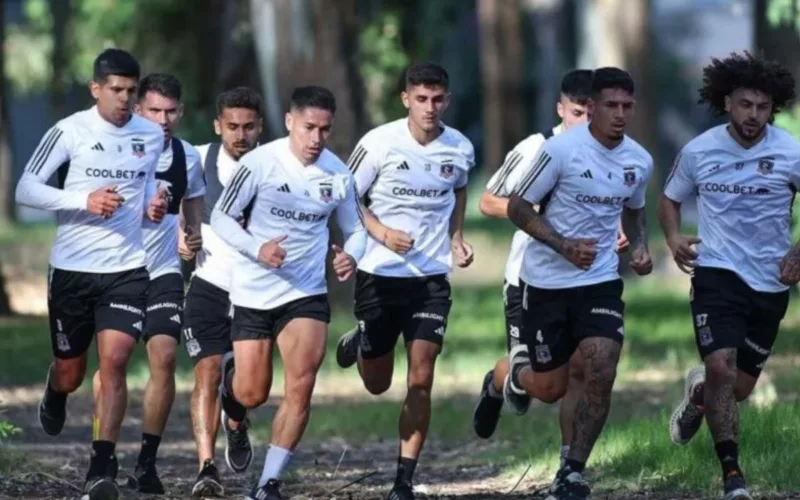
765,166
629,176
326,193
137,145
446,169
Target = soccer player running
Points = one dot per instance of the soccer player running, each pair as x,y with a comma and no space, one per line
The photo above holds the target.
414,171
571,107
745,175
207,324
583,180
105,159
287,190
181,175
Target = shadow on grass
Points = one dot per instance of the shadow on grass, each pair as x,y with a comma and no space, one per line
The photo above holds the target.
658,333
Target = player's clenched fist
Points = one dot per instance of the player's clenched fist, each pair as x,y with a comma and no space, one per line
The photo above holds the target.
272,253
580,252
158,206
343,264
398,241
104,202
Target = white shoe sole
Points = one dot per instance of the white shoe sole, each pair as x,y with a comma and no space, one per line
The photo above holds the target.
695,376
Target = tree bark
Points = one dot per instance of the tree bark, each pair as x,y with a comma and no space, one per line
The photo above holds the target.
61,12
501,60
6,204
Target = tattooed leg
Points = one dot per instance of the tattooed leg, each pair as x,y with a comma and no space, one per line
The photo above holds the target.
722,412
600,357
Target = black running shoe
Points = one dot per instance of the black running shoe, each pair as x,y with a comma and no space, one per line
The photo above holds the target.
267,492
569,485
736,488
487,410
145,479
347,348
513,393
238,449
52,409
208,483
401,492
687,418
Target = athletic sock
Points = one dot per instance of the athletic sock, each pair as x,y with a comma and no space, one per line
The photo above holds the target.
728,454
564,453
276,461
149,449
235,410
575,465
405,471
493,392
102,454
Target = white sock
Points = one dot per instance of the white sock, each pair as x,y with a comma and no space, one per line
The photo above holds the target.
564,453
494,393
277,459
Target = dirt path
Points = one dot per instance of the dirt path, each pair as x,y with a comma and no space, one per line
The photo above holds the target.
317,471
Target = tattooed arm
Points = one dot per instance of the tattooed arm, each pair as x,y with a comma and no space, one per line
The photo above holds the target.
541,179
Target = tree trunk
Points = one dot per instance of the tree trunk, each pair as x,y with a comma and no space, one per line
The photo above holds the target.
6,182
779,42
501,61
61,12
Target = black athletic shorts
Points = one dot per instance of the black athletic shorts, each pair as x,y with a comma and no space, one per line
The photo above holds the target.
386,306
260,324
207,324
512,302
727,313
83,304
164,307
555,321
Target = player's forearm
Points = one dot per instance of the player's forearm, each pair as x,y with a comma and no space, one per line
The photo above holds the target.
523,215
33,192
459,211
493,206
232,233
373,225
669,217
150,190
192,213
634,225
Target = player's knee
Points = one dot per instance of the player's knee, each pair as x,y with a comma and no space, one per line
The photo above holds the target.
162,362
603,376
208,374
420,377
376,385
114,364
69,378
252,395
549,390
721,368
577,369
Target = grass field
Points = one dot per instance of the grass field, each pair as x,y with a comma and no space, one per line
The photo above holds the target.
633,454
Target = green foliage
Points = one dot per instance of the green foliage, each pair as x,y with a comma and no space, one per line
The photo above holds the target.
382,61
783,12
7,429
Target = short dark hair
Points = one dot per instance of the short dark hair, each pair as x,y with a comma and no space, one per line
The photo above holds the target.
160,83
239,97
426,73
746,71
312,96
115,62
577,85
612,78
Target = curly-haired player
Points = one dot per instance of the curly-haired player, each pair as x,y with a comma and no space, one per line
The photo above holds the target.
745,175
